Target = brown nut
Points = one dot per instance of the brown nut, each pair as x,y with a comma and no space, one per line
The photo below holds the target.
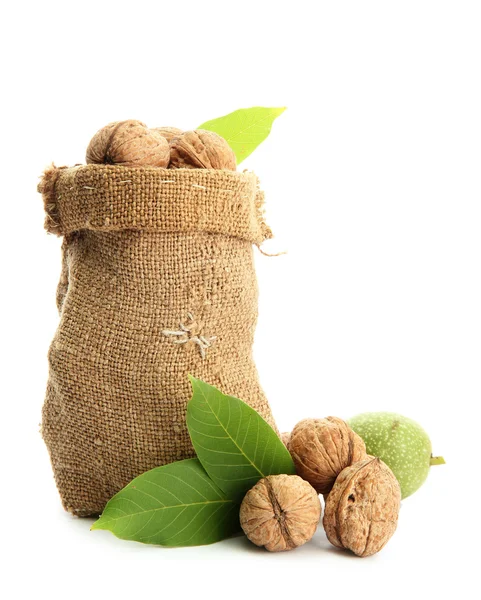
285,437
168,132
362,509
280,512
201,150
322,448
128,143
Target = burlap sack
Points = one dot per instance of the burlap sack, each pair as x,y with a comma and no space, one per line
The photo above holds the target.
157,282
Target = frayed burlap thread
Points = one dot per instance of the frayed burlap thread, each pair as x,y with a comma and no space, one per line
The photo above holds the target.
157,282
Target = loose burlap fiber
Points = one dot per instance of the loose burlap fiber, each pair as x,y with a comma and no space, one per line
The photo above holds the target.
157,282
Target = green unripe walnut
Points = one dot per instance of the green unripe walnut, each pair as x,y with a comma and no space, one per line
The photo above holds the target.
401,443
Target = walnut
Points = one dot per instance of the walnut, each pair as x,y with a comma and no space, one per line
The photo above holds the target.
285,437
362,509
201,150
128,143
168,132
280,512
322,448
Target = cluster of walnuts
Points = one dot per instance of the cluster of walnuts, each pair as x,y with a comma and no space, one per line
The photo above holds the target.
132,144
362,496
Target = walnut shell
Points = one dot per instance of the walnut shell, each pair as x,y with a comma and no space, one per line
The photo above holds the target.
280,512
128,143
201,150
322,448
285,437
168,132
361,512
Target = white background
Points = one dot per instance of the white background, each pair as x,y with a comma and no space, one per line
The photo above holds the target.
372,180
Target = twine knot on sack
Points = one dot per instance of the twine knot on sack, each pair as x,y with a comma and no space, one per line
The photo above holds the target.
190,333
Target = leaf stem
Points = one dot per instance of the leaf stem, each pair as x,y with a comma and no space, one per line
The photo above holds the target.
437,460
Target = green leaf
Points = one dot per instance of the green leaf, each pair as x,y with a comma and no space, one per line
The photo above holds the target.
232,441
244,129
173,505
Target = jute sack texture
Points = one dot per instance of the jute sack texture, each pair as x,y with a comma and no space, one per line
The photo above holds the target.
157,282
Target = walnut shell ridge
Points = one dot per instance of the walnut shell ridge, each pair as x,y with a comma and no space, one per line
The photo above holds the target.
201,149
168,132
280,512
362,510
322,448
130,144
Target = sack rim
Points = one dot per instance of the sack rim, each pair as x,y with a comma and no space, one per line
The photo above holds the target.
116,197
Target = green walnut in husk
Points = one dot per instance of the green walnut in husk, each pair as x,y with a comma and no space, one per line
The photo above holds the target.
401,443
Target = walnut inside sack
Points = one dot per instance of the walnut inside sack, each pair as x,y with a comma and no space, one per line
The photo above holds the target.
168,132
128,143
201,149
